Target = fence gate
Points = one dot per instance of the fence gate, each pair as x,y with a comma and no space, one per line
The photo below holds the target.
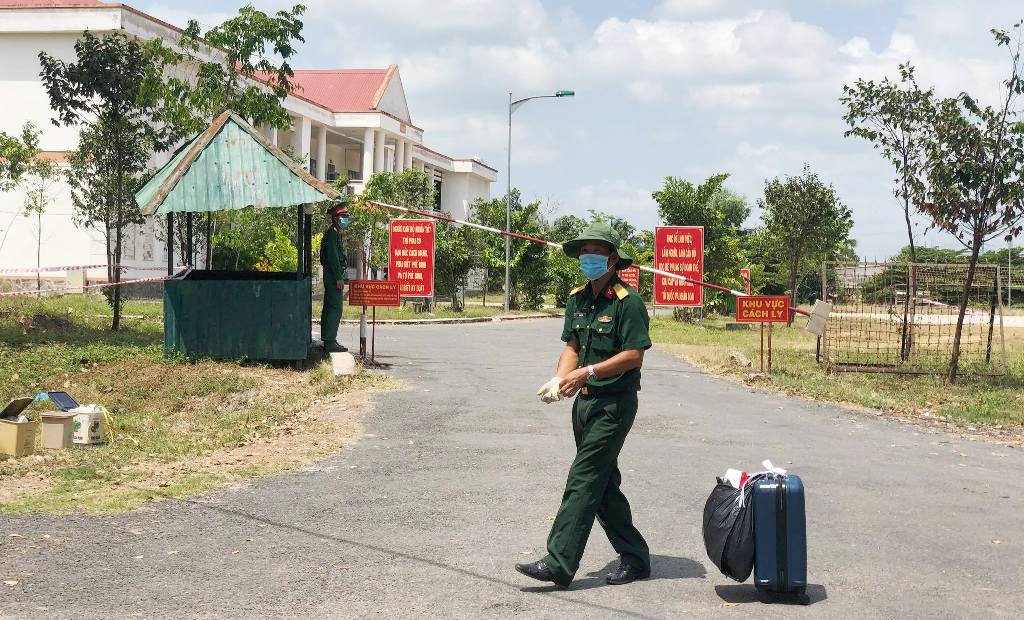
901,317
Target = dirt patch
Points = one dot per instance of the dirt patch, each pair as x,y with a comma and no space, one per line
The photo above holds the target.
326,428
15,487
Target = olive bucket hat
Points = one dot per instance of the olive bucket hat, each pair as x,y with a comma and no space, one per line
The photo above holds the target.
598,232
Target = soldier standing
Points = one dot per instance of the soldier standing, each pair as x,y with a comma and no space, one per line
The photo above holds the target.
332,257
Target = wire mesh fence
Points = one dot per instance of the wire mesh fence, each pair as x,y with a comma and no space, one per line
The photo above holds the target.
901,317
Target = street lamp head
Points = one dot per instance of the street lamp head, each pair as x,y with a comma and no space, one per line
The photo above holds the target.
565,93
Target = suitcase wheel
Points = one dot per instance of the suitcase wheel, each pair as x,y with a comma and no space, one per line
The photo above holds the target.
765,597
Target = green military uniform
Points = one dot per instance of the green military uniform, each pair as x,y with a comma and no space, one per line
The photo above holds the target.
602,414
332,257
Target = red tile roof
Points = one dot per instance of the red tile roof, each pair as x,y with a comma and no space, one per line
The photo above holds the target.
48,4
343,90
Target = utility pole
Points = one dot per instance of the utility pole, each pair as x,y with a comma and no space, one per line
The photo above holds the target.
512,105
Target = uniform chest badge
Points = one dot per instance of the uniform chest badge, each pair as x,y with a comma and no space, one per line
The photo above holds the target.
604,319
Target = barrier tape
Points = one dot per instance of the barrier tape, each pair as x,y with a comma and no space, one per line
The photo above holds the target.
78,289
80,267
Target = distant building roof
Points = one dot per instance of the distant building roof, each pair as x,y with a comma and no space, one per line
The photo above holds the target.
343,90
47,4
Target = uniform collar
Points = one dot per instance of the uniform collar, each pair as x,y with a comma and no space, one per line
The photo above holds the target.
609,289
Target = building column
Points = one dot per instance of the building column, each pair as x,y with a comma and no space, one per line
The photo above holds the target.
321,153
273,136
378,150
368,151
399,155
303,132
418,164
408,155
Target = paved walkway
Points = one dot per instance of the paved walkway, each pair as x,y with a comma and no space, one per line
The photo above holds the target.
460,474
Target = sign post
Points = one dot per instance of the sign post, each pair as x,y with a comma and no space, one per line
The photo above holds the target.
745,274
411,261
373,293
631,276
763,309
680,250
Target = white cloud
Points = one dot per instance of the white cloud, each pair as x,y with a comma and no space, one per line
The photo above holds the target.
618,197
690,88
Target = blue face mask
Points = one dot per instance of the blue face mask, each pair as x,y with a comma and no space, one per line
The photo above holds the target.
343,222
593,265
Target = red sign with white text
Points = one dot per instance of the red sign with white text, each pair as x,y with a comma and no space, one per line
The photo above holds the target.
374,293
679,249
631,276
762,309
412,257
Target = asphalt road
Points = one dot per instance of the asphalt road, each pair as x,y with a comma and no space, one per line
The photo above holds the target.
459,475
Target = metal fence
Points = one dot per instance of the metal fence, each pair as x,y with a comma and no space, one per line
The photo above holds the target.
901,317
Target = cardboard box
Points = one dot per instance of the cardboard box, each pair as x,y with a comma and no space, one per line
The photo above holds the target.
18,438
58,429
89,425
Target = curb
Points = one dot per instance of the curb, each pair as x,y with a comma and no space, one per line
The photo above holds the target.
482,319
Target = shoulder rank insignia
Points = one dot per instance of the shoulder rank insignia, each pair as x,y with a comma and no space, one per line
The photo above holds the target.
604,319
621,291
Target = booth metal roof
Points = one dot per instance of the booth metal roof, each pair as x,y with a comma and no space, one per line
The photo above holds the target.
230,166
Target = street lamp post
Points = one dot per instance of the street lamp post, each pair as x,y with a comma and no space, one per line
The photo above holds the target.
512,105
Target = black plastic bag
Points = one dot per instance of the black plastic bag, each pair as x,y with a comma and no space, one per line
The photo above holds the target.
729,530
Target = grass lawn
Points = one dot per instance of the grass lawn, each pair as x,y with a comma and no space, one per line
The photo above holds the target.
178,427
990,402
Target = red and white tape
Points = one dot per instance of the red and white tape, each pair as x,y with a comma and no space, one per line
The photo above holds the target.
77,289
81,267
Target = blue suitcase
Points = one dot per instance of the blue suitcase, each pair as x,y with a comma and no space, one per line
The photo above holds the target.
780,539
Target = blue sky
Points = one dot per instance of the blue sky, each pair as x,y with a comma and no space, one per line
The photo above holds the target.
686,88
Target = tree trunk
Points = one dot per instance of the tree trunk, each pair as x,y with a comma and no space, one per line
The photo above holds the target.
954,361
793,268
906,212
39,251
119,206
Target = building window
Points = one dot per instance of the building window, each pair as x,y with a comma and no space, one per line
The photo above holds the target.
332,171
312,166
437,195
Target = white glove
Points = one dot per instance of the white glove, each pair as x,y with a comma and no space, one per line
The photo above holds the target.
549,392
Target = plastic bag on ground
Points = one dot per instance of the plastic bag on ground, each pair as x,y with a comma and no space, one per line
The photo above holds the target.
729,530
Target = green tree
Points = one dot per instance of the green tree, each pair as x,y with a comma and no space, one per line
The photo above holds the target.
894,118
39,181
250,75
529,261
109,92
564,272
452,260
721,213
368,223
804,223
974,166
16,155
279,254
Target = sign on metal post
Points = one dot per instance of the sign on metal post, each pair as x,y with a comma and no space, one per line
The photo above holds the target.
679,249
411,263
374,293
631,276
762,309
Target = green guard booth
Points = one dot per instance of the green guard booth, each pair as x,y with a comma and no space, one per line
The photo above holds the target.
236,314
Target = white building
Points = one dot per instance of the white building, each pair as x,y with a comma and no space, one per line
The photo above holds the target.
347,122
